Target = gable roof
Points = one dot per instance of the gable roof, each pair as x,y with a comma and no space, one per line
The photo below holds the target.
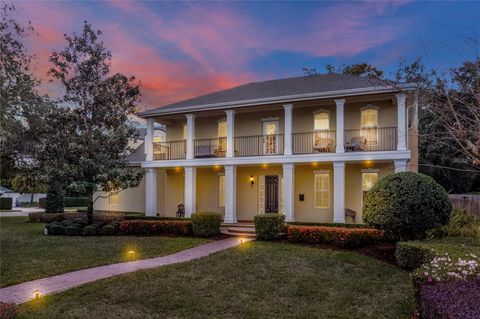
274,90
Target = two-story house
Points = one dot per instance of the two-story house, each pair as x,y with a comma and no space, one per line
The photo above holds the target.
308,147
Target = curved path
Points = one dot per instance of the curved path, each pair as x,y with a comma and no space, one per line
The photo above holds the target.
24,292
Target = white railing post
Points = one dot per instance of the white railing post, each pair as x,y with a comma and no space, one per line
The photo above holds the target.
149,139
401,122
190,135
230,133
340,131
288,129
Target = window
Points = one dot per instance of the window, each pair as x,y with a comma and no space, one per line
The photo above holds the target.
369,118
321,121
221,190
184,131
368,180
113,199
159,136
321,190
222,134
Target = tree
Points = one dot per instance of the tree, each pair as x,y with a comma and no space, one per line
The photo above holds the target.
95,122
28,182
357,69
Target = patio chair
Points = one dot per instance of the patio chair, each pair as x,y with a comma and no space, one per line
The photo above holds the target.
181,211
357,143
322,144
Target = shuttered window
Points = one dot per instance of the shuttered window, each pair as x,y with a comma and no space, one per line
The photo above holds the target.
221,190
321,190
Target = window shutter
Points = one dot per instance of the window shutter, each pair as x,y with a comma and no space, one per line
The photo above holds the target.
282,191
261,194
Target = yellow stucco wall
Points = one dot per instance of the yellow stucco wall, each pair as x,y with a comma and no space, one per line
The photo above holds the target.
129,200
207,189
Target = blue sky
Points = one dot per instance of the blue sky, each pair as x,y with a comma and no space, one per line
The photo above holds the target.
183,49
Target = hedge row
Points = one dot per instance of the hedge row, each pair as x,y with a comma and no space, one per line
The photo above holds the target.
156,227
337,236
269,226
451,300
206,224
40,217
410,256
6,203
79,227
341,225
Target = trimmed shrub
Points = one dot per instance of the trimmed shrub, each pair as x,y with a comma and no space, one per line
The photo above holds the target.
406,205
72,230
451,300
410,256
8,310
206,224
76,201
42,202
90,230
6,203
150,227
340,237
54,202
109,229
56,229
341,225
39,217
66,222
80,221
269,226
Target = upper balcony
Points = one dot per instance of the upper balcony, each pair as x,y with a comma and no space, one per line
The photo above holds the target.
335,126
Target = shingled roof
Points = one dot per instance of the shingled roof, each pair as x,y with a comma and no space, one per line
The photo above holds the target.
274,89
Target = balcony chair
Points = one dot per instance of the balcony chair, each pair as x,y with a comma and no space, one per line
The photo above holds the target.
322,145
357,143
203,151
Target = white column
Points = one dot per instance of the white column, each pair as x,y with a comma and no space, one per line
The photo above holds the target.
230,133
190,135
340,125
151,192
401,122
230,194
339,192
400,165
149,139
288,129
190,187
289,191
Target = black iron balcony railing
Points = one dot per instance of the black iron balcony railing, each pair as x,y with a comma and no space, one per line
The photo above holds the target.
371,139
258,145
313,142
169,150
210,147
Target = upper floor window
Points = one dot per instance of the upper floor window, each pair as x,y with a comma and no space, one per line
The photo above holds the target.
321,121
184,131
159,136
222,128
369,117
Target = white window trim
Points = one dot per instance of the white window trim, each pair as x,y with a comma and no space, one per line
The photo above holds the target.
270,119
322,172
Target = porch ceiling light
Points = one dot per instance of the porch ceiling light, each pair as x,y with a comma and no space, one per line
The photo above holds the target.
252,181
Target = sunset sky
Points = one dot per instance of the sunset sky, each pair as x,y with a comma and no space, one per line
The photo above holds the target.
183,49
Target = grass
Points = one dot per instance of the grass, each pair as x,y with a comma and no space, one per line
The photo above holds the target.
26,254
254,280
455,246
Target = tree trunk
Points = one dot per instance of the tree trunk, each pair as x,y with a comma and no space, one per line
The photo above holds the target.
90,209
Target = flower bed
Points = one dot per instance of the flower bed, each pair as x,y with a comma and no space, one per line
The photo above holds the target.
151,227
451,300
337,236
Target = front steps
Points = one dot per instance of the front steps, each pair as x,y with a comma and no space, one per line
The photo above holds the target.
241,229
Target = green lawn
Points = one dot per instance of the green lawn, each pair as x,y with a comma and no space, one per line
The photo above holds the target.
255,280
26,254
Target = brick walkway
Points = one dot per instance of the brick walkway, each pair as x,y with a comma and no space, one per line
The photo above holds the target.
24,292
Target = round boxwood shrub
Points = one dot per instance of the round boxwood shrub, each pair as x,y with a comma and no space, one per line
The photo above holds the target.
72,230
109,229
269,226
206,224
56,229
90,230
406,205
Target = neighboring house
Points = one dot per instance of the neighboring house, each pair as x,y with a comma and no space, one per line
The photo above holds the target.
308,147
5,192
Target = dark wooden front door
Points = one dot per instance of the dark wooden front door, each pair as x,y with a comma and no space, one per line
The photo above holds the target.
271,194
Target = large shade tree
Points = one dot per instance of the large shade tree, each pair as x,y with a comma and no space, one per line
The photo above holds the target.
93,124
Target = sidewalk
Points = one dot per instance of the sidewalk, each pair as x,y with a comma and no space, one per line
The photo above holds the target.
24,292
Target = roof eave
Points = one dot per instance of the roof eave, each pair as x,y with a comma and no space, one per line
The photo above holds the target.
281,99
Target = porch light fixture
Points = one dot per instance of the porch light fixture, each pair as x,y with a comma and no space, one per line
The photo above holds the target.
252,181
37,294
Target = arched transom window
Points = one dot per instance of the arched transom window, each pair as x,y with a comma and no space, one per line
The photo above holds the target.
369,117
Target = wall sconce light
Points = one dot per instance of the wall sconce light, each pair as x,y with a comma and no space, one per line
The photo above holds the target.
252,181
